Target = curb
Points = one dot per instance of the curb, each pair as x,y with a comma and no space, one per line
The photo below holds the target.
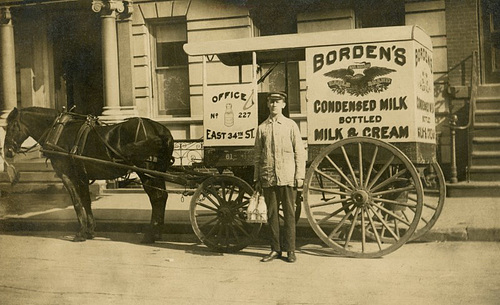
183,228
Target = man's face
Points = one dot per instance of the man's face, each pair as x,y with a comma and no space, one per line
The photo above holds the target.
275,106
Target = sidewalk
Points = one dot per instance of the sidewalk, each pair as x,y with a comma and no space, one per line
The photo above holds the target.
462,219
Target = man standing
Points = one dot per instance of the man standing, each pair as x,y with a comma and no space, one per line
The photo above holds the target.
279,166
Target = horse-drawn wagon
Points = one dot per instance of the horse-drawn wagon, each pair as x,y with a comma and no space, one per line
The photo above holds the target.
372,182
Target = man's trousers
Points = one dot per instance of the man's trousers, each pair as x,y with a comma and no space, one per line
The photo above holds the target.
284,195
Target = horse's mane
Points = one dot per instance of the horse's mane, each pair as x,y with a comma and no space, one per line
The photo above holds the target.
44,112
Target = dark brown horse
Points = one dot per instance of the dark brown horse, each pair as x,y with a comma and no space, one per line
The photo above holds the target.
137,142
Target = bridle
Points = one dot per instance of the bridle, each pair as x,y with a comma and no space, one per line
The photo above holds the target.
21,128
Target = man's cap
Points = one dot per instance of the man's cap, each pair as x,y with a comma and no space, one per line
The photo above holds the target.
277,96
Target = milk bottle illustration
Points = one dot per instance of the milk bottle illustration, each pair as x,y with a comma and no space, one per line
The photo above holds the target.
229,115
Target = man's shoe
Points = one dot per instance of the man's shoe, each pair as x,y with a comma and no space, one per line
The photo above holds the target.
291,258
271,256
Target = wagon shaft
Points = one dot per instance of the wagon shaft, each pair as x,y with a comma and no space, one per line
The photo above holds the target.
183,177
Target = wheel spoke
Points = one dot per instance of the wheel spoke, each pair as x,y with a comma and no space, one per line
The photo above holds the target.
340,171
217,225
384,223
363,229
328,191
375,232
349,165
223,191
382,170
206,214
230,196
388,180
206,195
351,229
332,179
426,221
392,191
207,206
208,222
430,206
394,202
406,216
360,158
329,202
241,226
234,233
370,168
215,193
339,225
342,208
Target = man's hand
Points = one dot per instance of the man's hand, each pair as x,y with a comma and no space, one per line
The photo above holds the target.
257,186
299,183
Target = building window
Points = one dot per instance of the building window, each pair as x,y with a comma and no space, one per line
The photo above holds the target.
379,13
286,79
172,75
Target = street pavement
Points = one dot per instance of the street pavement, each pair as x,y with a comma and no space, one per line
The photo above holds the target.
462,218
46,268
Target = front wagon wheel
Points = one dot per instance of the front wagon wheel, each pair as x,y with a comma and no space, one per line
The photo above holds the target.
358,188
218,214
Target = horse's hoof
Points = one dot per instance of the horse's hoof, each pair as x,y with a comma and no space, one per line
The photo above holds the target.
79,239
90,235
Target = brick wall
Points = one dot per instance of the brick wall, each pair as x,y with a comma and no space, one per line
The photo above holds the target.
462,39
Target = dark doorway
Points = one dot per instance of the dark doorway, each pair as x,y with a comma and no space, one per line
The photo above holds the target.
490,25
76,38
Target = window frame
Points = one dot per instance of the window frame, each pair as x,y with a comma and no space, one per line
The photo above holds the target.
154,29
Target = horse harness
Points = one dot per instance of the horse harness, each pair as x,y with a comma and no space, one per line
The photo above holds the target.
89,122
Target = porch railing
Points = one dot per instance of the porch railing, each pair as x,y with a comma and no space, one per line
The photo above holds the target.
475,81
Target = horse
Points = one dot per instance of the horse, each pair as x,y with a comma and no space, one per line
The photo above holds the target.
139,142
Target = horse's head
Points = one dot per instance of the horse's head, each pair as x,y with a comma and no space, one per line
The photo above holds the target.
16,134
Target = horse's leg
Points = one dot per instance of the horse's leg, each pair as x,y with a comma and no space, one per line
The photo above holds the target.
84,192
72,187
155,188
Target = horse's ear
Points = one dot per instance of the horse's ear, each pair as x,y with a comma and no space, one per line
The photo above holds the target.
13,113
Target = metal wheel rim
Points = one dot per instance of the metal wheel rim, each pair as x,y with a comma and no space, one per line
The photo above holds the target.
218,213
364,198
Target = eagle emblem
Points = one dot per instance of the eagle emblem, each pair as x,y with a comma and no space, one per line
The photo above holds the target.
359,79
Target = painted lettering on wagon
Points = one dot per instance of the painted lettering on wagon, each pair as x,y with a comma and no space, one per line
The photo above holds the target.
389,53
377,132
392,103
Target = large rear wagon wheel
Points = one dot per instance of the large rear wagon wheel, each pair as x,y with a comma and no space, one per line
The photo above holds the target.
434,189
218,213
357,188
434,185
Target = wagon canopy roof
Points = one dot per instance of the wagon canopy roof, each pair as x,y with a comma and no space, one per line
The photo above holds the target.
291,47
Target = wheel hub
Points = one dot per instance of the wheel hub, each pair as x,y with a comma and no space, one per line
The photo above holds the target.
360,197
226,215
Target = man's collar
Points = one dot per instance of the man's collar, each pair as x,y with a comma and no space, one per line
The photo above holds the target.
279,118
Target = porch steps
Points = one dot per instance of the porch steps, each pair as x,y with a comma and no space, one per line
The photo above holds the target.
35,175
484,171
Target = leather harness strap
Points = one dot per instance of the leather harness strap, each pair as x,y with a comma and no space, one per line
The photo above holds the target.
139,125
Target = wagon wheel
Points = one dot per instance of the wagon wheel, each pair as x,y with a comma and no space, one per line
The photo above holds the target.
363,189
218,213
434,185
434,188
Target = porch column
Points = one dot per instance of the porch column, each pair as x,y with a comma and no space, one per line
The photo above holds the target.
126,60
8,64
109,10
